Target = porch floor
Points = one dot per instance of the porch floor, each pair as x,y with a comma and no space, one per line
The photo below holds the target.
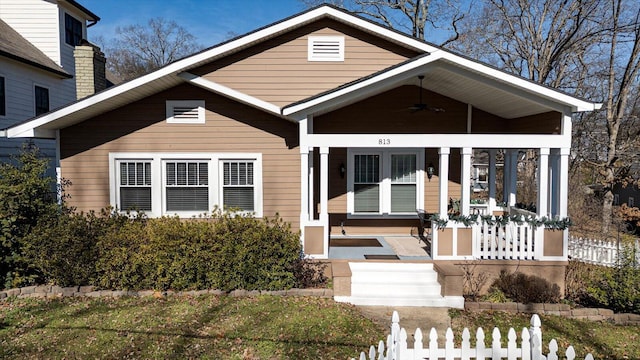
404,247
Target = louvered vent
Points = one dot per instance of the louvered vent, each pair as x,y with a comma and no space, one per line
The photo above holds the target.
326,48
185,111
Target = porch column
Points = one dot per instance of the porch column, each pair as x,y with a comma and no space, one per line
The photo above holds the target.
466,181
324,184
563,183
554,177
443,177
513,177
310,186
492,180
543,182
304,186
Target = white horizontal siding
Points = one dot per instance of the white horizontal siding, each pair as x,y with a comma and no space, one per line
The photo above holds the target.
37,21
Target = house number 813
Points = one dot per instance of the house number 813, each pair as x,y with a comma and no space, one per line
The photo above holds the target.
384,141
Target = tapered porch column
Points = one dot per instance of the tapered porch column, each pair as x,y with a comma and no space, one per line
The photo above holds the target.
443,177
492,180
466,181
543,182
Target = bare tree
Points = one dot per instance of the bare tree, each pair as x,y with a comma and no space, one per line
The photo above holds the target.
139,49
413,17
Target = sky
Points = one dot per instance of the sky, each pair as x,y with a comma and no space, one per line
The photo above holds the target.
210,21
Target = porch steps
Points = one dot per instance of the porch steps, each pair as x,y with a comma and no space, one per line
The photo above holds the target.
397,284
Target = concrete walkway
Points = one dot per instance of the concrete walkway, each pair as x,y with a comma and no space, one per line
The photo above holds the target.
411,317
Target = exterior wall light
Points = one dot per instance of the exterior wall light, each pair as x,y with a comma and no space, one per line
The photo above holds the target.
430,171
342,170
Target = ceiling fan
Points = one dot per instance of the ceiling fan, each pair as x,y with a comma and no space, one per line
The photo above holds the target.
421,106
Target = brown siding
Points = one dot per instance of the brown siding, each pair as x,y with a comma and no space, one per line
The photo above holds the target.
389,113
141,127
545,123
277,71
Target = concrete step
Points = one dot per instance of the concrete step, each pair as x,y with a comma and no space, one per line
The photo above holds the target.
396,284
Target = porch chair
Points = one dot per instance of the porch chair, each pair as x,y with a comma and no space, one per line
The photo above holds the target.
424,223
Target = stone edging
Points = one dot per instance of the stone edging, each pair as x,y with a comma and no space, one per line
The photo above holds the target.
556,309
49,291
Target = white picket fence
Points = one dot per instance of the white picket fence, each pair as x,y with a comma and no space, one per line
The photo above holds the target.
500,242
598,252
530,345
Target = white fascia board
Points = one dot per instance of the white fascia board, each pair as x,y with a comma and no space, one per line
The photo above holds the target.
577,105
230,93
390,77
482,141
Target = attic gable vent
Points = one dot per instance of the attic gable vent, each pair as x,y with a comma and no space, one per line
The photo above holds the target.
185,111
326,48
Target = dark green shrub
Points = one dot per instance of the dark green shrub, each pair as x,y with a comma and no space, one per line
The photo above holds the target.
524,288
27,195
616,288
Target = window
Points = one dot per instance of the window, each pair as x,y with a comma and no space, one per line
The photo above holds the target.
385,182
72,30
325,48
237,187
185,111
42,100
135,185
403,183
3,106
631,202
366,183
186,184
481,174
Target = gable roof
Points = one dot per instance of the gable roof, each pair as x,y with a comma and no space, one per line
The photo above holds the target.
14,46
178,72
90,15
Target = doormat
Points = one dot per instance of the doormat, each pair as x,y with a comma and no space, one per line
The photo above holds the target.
381,257
355,242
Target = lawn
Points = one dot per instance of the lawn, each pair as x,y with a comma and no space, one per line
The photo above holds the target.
209,327
603,340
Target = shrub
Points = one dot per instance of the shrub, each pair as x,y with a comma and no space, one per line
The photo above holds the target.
225,252
524,288
616,288
26,197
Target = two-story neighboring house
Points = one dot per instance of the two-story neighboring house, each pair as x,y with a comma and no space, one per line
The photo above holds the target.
41,62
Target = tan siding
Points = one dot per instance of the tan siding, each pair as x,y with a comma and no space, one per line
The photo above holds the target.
389,113
277,71
141,127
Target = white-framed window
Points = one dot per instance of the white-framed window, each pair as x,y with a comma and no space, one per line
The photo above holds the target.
185,111
385,182
186,184
631,202
325,48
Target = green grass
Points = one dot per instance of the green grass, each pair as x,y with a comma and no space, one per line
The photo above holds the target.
209,327
602,339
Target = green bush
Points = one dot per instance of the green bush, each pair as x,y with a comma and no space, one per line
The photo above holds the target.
616,288
225,252
524,288
27,196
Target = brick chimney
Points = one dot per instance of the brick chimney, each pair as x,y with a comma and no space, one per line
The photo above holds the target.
90,69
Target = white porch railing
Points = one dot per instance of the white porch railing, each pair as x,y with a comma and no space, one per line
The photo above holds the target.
529,348
503,242
598,252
